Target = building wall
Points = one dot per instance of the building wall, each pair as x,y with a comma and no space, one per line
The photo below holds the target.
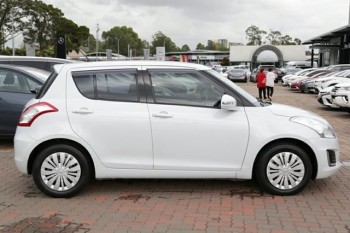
245,53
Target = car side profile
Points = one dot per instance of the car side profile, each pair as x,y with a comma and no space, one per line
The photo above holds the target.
156,119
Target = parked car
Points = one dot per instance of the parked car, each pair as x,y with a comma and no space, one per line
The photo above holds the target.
341,96
17,86
324,97
43,63
307,74
339,67
286,79
341,77
306,84
311,75
85,122
237,75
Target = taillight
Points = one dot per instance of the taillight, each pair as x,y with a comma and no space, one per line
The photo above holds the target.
34,111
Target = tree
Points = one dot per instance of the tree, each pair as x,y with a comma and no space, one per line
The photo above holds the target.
297,41
75,35
274,37
126,36
10,12
286,40
40,24
185,48
200,46
225,61
161,40
254,35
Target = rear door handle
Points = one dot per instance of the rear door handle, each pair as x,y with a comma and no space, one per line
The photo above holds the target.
162,114
82,111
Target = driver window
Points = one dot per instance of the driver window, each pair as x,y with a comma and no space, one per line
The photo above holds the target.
185,88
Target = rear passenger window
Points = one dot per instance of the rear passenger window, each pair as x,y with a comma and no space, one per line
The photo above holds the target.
112,85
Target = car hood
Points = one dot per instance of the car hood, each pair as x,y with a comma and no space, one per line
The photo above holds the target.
289,111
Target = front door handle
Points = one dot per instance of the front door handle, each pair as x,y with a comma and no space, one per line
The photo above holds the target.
162,114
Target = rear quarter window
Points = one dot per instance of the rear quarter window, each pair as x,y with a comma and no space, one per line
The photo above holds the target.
109,85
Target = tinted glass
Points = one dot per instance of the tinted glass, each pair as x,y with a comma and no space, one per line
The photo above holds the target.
115,86
185,88
11,81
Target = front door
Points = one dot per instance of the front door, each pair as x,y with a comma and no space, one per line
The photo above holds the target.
190,131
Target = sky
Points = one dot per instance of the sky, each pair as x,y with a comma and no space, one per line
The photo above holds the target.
197,21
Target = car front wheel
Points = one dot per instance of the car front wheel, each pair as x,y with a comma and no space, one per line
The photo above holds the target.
61,171
283,169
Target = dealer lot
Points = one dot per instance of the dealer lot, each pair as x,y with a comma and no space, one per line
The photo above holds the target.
184,205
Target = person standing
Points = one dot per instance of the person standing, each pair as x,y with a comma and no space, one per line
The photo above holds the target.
261,80
270,82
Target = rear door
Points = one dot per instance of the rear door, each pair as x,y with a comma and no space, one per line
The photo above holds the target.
106,109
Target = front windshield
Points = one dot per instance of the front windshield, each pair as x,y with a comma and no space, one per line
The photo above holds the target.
234,86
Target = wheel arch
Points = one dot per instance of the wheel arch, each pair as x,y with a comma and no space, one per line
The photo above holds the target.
296,142
48,143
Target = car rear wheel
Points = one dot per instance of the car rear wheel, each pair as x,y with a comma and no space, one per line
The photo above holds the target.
283,169
61,171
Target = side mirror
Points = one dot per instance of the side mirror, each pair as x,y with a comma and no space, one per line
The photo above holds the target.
228,103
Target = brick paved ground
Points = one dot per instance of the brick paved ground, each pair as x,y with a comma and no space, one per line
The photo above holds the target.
183,205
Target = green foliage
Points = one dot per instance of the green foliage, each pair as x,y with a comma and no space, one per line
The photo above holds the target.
200,46
10,11
185,48
126,36
41,24
161,40
254,35
225,61
8,51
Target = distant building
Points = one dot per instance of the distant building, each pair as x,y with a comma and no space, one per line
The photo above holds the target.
204,57
223,42
266,54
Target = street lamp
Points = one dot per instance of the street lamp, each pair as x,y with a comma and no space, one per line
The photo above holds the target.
118,46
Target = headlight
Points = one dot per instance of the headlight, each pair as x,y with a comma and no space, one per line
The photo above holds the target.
323,129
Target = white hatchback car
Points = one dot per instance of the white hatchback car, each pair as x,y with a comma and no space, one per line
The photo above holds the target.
152,119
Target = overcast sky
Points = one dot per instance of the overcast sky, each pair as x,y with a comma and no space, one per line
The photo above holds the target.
196,21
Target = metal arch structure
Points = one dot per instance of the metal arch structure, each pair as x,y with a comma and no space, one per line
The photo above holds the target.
267,47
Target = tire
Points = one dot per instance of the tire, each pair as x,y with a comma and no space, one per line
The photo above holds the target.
283,169
53,178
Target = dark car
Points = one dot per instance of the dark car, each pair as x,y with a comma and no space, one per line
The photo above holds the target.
18,84
43,63
237,75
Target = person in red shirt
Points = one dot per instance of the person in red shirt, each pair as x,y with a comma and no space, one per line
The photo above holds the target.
261,80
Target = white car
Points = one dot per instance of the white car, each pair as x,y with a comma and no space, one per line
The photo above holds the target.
154,119
337,80
289,78
324,97
332,80
341,95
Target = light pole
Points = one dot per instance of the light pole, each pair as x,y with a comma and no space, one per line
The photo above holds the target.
12,31
118,46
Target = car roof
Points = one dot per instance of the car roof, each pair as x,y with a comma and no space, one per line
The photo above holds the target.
32,58
111,64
